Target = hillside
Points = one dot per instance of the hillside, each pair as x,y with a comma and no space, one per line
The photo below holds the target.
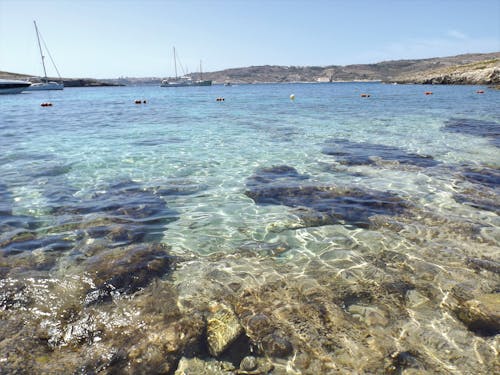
389,71
462,69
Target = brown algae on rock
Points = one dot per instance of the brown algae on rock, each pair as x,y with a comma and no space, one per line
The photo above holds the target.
223,328
481,315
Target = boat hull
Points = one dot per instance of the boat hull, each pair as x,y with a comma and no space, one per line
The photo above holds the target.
13,87
185,84
46,86
203,83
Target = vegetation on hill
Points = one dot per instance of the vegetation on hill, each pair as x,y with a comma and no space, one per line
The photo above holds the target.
462,69
387,71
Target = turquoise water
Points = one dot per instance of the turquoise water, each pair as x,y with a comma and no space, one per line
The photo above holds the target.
330,191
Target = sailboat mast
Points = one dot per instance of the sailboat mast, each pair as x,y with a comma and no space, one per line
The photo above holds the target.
201,73
41,52
175,64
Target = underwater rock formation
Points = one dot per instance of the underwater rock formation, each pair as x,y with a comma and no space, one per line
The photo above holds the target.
481,315
195,366
486,176
125,270
475,127
223,328
364,153
321,205
482,189
5,201
124,213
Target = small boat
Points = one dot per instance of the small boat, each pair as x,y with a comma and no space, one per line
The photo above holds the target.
45,84
11,86
185,80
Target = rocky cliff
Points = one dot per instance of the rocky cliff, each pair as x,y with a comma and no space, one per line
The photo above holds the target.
483,72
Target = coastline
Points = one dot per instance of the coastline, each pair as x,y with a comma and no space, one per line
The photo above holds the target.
468,69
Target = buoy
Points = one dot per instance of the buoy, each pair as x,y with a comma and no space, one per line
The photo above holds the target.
46,104
480,91
144,101
138,102
292,97
365,95
220,99
428,93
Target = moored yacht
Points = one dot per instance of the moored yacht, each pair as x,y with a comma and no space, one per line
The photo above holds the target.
184,80
45,84
11,86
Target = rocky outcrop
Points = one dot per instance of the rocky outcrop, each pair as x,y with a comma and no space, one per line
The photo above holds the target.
481,315
479,73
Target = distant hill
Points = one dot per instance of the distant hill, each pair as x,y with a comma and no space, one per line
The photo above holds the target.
387,71
478,68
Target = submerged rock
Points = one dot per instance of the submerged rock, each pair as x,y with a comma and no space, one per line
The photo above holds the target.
223,328
259,325
484,192
486,176
5,201
485,264
276,173
482,314
402,361
326,205
124,213
125,270
275,345
364,153
13,295
249,363
479,128
196,366
28,241
179,187
478,199
318,205
370,315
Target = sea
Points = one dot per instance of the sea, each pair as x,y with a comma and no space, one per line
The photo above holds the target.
323,228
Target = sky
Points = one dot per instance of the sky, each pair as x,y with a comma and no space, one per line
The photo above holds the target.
134,38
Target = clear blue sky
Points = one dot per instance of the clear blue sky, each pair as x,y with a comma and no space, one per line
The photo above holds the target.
112,38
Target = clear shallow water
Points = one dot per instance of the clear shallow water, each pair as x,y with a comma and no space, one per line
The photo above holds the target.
356,217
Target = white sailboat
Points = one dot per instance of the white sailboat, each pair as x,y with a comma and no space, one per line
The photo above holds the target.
184,80
45,84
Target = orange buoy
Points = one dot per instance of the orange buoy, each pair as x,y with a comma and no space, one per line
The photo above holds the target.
365,95
480,91
428,93
46,104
